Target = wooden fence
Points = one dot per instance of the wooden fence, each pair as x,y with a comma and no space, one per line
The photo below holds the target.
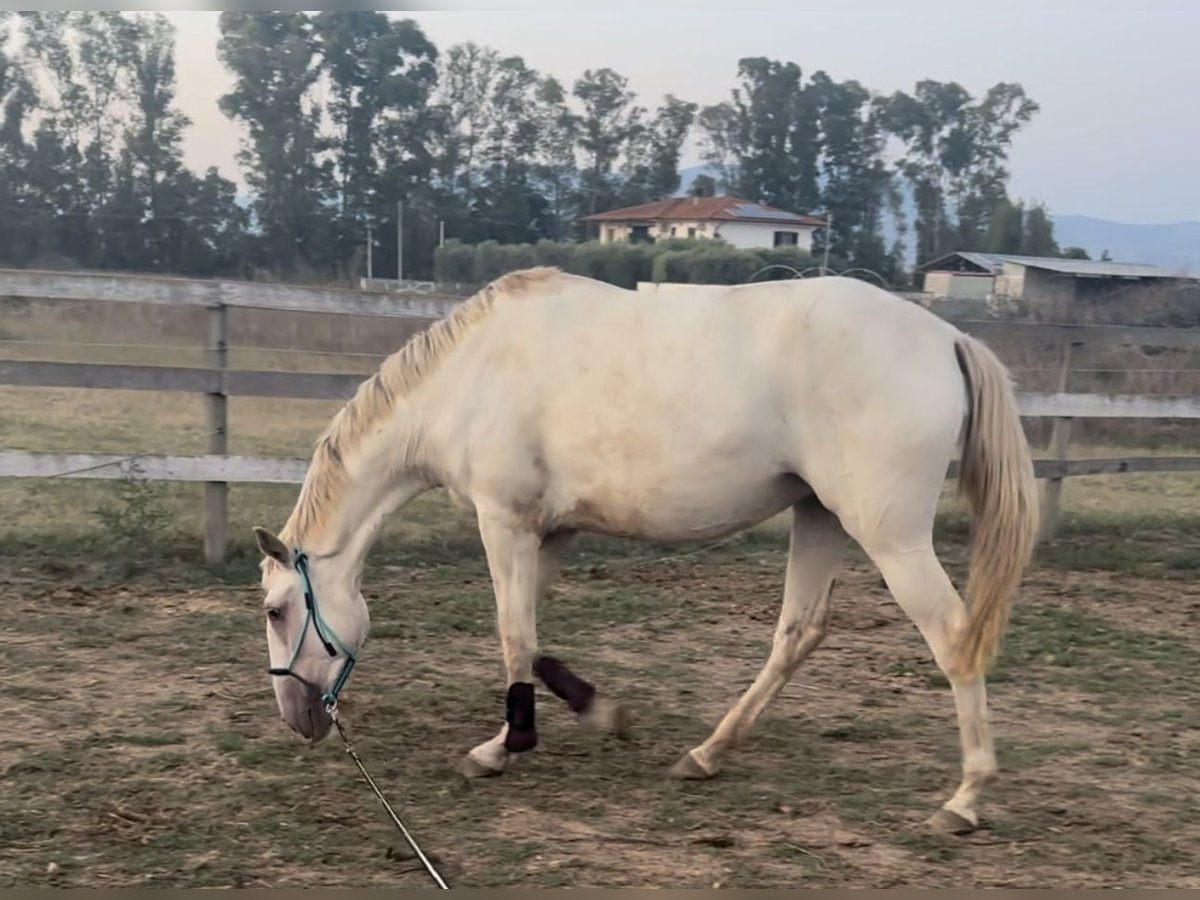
218,381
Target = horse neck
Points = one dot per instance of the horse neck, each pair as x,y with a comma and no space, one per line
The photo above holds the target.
358,539
384,477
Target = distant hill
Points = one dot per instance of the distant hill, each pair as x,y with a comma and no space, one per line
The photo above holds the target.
1175,245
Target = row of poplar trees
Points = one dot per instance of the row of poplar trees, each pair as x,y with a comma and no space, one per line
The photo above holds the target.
345,114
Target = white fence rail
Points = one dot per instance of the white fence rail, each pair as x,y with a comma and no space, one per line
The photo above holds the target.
278,470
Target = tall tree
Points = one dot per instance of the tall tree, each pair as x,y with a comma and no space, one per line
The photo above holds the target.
154,146
777,135
1038,238
857,189
498,113
464,97
610,120
518,213
17,99
652,168
954,161
212,239
273,59
82,63
1005,228
720,144
702,186
556,170
380,73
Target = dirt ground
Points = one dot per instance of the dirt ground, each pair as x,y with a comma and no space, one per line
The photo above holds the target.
143,747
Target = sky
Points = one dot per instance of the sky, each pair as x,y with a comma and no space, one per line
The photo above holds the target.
1117,135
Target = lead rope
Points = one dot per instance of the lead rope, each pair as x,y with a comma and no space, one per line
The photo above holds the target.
433,873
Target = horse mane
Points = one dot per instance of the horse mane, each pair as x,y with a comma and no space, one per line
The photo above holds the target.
398,375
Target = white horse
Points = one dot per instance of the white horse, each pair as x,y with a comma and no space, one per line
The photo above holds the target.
554,404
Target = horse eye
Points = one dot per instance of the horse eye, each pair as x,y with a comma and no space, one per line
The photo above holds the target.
273,614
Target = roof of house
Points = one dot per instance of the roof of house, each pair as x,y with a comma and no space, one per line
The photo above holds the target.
705,209
1081,268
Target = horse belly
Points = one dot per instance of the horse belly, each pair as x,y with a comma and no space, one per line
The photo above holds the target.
678,509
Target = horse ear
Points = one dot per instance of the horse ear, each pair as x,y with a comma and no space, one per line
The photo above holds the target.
273,547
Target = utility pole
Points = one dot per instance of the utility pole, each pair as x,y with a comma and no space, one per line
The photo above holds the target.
370,273
828,233
441,232
399,240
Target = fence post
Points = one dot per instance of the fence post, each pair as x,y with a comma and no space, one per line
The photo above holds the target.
216,493
1060,438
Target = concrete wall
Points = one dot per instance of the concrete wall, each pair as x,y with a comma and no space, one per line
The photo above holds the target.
744,235
753,235
1011,281
959,285
1049,296
620,231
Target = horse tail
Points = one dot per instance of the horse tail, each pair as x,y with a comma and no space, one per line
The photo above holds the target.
996,476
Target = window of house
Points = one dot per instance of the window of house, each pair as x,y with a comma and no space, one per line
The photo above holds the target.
691,232
612,233
672,231
786,238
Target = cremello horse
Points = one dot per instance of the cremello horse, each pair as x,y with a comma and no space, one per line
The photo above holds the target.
554,404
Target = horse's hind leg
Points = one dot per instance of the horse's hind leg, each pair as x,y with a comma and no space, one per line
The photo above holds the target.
923,590
817,542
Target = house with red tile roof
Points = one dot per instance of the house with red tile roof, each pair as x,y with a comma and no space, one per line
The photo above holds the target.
740,223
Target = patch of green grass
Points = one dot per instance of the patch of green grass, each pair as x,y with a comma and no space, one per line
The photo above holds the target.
930,847
229,742
1148,850
1147,545
165,762
807,860
863,731
254,756
42,762
1095,654
1021,755
162,739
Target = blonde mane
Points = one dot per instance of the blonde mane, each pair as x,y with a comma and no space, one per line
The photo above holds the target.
375,398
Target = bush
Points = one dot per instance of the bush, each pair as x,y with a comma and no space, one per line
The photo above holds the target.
624,264
552,253
454,263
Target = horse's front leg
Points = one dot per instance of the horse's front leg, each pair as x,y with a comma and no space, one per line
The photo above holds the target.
513,561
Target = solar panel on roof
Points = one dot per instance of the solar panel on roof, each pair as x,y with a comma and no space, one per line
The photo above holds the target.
754,211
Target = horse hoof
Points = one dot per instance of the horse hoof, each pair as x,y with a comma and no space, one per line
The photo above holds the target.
622,722
687,769
946,822
608,715
473,768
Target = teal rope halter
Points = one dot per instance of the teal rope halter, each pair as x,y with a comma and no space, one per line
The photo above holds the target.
329,640
332,644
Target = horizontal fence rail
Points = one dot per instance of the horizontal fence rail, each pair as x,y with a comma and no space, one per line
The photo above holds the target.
98,287
279,470
102,287
231,382
217,381
340,386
